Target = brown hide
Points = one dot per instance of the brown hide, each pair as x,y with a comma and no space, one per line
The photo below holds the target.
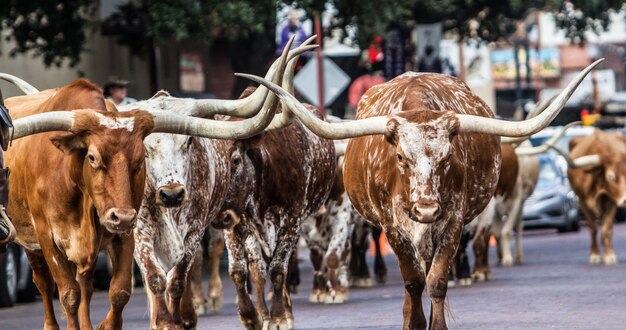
593,184
509,171
422,167
64,186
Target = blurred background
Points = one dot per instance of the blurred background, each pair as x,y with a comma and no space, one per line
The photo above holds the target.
511,53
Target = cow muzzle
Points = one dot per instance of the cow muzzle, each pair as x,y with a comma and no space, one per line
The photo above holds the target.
119,221
425,212
172,195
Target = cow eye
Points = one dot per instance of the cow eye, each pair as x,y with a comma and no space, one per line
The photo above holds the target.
400,158
91,158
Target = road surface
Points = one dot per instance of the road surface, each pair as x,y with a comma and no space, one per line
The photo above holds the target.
555,288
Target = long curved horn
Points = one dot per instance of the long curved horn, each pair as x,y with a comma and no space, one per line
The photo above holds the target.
583,161
335,131
43,122
546,145
171,122
286,116
250,105
25,87
540,108
476,124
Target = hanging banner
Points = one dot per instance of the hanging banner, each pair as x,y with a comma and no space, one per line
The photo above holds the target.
191,67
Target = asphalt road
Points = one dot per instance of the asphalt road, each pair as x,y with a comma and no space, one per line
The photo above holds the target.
555,288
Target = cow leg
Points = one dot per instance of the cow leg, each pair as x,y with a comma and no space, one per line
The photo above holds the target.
64,275
155,279
281,316
519,230
258,273
462,267
238,271
45,283
607,233
120,249
293,272
85,281
359,273
216,250
179,291
594,254
341,231
195,277
480,245
380,270
413,276
437,278
506,233
319,282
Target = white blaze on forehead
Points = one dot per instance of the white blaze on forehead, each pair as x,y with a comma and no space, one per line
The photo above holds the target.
115,123
168,158
414,142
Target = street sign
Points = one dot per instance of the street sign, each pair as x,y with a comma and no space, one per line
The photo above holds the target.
335,81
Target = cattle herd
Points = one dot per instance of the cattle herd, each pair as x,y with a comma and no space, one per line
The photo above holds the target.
166,181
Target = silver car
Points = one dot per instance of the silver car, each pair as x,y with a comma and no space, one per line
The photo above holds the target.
553,204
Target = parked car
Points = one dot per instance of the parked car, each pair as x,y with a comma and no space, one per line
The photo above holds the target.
553,204
16,276
563,144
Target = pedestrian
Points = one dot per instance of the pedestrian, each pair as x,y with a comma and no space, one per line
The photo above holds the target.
360,85
293,27
430,62
116,91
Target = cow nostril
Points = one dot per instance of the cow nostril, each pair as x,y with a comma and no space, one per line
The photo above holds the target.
180,194
114,217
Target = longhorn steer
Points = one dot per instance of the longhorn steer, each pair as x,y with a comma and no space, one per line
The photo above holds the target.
188,178
70,201
328,235
434,171
279,179
597,174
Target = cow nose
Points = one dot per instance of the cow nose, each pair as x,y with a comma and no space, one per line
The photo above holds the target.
425,212
172,196
120,220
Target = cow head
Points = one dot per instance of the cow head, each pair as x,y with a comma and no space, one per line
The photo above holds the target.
610,171
108,163
422,141
168,167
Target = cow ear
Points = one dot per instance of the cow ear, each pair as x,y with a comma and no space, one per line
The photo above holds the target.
452,123
391,131
68,142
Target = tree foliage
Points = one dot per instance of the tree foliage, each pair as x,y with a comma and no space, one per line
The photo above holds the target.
53,29
56,30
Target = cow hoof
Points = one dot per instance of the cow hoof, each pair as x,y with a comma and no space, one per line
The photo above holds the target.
594,259
465,282
610,259
293,289
519,260
201,308
276,325
381,278
316,296
336,297
451,283
507,261
479,277
215,304
290,323
189,325
362,283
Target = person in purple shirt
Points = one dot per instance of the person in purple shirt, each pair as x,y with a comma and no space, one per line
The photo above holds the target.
293,27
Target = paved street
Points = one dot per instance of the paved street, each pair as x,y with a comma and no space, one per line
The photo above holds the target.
555,288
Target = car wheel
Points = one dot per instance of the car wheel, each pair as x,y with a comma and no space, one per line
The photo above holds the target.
575,225
8,277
